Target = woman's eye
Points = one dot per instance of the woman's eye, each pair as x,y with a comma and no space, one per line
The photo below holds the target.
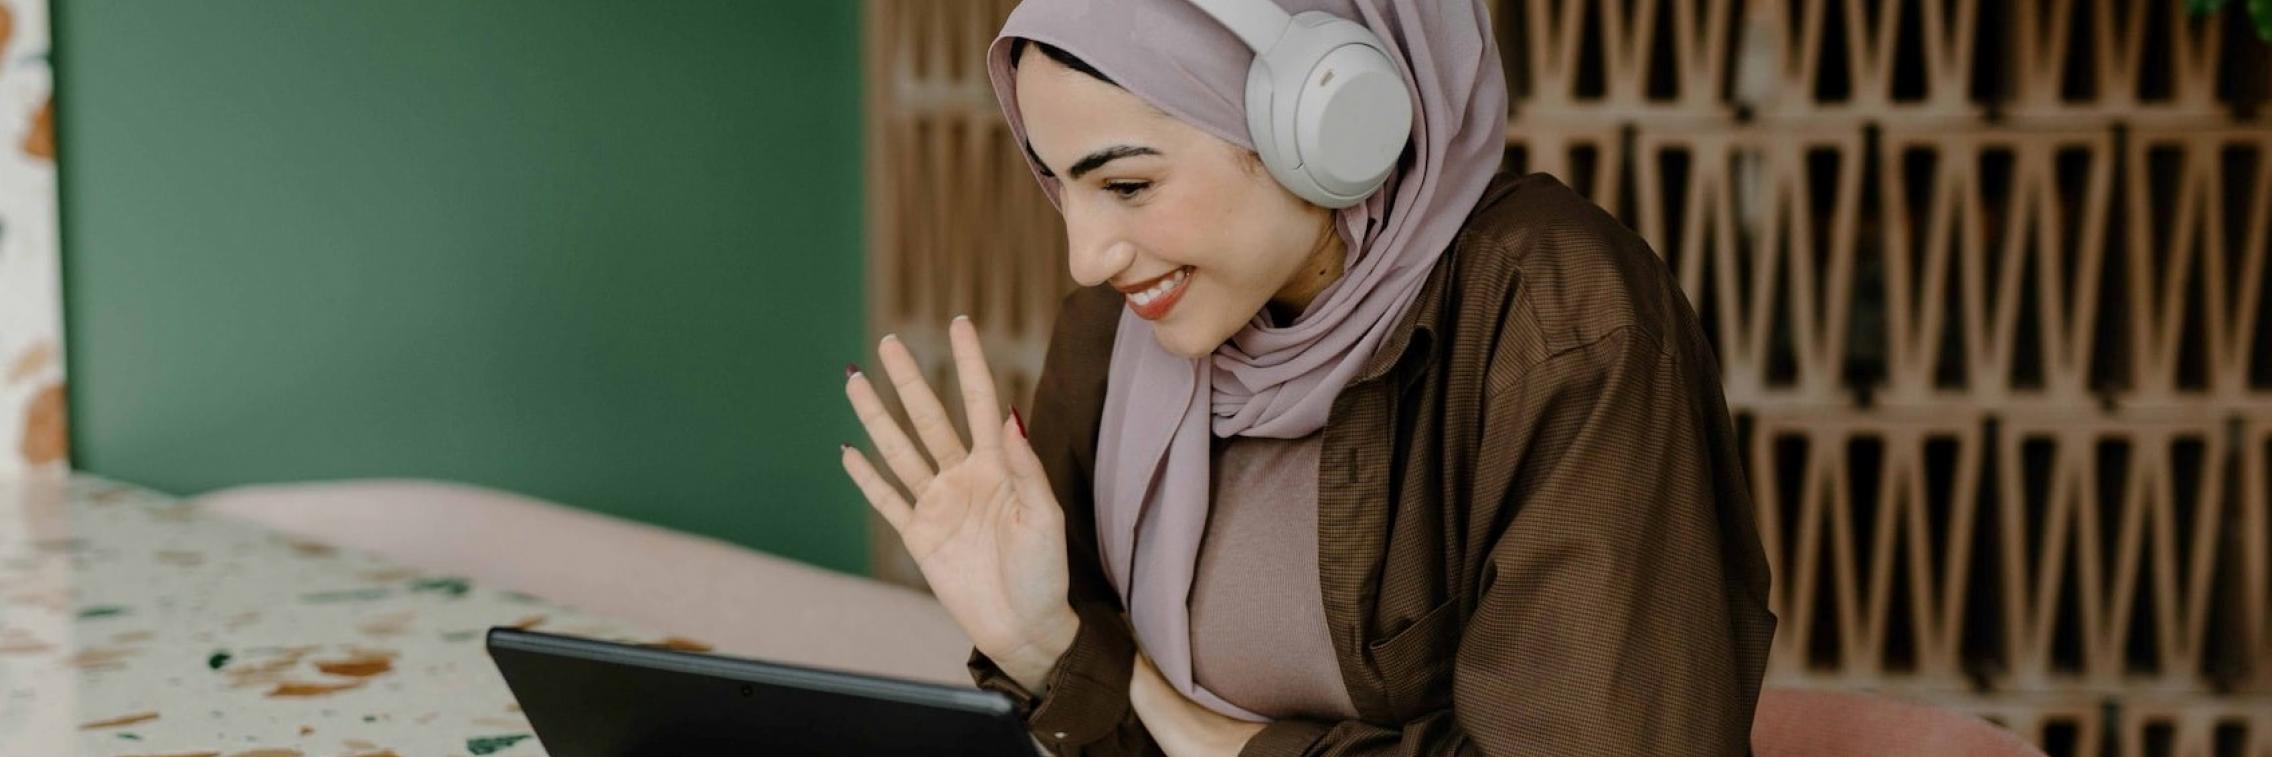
1126,189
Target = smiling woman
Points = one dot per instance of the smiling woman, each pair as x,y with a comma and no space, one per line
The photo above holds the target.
1188,226
1442,466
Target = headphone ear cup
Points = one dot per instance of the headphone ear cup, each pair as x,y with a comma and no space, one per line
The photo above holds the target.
1328,112
1352,121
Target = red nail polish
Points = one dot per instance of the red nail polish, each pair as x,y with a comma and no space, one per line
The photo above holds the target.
851,369
1020,421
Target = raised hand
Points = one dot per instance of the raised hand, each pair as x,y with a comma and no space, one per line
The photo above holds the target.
984,527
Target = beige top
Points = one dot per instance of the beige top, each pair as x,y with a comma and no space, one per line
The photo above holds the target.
1258,634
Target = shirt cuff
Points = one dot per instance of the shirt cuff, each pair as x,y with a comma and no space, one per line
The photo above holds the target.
1087,692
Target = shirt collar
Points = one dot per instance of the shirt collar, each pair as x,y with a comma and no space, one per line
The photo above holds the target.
1416,331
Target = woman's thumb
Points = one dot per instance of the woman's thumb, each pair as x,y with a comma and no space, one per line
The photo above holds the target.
1024,464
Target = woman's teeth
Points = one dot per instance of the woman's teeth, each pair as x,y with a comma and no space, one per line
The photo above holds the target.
1171,282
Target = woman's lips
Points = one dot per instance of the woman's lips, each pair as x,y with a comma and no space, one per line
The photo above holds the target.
1159,306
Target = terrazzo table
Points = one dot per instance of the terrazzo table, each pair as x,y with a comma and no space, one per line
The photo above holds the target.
133,624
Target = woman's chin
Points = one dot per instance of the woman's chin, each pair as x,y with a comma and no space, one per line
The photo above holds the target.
1182,341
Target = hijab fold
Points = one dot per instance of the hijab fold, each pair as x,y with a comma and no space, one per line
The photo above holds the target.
1162,411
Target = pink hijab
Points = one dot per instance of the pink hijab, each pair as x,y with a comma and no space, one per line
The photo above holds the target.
1161,410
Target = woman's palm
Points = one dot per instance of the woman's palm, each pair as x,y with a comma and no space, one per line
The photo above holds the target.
984,527
992,549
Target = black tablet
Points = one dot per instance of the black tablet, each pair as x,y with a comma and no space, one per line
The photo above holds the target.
589,698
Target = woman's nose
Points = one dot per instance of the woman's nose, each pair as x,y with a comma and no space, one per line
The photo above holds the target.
1094,253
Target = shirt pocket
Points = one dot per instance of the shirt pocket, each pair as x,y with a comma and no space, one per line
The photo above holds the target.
1415,664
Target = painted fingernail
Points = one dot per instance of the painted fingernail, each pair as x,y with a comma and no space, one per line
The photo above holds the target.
1020,421
851,369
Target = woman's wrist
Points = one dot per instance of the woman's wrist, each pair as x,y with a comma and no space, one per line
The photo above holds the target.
1030,664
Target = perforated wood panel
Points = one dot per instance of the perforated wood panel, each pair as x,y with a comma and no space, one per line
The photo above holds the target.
1988,282
957,225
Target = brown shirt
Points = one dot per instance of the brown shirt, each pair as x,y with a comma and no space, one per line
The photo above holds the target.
1258,633
1534,534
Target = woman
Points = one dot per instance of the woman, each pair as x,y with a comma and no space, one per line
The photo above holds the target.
1447,470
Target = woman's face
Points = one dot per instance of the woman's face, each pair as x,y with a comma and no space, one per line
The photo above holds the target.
1193,232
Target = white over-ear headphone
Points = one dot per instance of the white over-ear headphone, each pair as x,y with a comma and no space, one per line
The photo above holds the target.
1326,108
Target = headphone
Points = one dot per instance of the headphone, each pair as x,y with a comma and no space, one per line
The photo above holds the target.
1327,110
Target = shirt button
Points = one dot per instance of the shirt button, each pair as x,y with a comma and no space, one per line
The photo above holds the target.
1060,735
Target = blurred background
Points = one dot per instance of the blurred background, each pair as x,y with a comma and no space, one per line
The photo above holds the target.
1991,285
606,254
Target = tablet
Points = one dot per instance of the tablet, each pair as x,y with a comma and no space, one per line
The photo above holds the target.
590,698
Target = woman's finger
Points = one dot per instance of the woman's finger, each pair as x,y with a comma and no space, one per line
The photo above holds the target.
977,384
892,443
923,408
1025,466
872,485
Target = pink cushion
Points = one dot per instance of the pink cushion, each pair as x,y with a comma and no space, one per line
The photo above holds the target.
741,601
1794,722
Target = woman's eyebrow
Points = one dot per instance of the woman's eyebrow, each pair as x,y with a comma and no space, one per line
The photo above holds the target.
1092,161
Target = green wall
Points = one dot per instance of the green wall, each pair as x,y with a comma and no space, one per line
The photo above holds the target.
604,253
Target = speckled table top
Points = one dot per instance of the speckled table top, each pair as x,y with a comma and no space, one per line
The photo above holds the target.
134,624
